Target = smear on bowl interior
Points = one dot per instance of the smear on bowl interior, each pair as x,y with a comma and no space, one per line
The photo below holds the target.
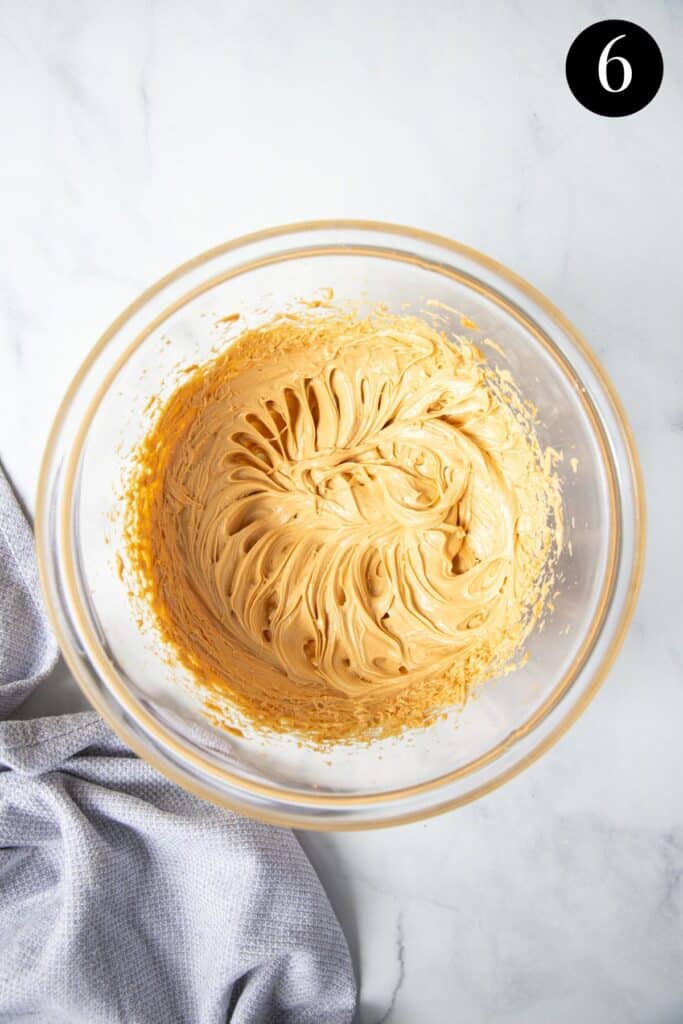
340,526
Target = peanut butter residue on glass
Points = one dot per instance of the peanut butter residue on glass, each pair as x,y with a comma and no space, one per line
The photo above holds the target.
341,525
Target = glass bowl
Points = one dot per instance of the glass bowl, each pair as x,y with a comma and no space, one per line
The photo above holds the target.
512,720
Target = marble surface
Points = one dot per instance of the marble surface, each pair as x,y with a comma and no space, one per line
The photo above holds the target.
137,134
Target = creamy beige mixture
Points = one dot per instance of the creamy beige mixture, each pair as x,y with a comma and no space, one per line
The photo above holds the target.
342,525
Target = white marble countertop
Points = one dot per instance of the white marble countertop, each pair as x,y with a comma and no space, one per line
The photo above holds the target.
135,135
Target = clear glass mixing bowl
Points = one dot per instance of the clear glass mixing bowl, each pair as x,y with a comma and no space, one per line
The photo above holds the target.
512,720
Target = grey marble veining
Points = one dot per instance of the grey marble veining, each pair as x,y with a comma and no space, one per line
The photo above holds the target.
135,135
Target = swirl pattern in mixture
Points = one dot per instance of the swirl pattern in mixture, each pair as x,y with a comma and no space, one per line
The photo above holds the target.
343,524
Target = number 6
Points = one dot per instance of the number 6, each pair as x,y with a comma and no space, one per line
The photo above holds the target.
605,60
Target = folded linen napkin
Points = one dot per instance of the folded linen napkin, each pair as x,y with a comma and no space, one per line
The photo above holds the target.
124,898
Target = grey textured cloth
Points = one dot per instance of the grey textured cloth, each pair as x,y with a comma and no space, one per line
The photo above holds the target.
123,898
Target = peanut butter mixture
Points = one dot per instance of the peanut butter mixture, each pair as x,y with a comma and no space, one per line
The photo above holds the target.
342,525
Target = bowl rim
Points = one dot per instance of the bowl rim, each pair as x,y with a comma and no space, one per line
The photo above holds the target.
339,802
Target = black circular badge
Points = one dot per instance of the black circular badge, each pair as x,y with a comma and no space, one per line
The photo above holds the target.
614,68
